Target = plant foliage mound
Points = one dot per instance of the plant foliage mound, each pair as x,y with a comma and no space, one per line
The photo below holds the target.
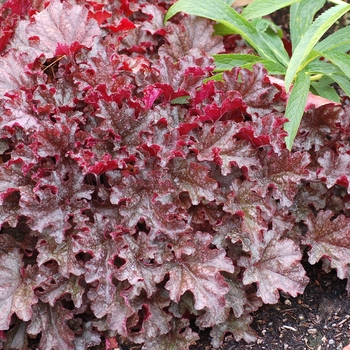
138,203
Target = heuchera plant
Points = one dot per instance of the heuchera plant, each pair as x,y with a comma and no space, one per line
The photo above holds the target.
139,204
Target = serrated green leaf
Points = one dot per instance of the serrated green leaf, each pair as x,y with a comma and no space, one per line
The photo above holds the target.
219,11
340,41
301,16
322,67
216,77
259,8
339,59
309,40
225,62
343,82
323,89
296,106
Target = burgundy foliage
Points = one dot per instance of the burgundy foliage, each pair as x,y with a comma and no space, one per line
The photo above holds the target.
138,203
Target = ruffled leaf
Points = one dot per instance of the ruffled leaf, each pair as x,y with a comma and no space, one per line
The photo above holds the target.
16,288
59,26
51,323
277,268
329,239
199,273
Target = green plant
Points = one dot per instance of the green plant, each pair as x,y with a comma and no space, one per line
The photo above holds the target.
314,64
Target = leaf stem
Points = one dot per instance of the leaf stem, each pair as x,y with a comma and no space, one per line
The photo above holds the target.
316,77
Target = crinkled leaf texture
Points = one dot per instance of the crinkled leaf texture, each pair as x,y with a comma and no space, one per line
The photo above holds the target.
137,201
277,268
60,26
16,290
329,238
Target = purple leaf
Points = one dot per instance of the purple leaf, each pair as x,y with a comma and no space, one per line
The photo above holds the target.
329,239
59,26
335,167
277,268
283,172
191,33
192,178
239,327
199,272
16,288
179,338
51,323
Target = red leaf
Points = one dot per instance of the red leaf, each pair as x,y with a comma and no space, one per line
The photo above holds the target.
329,239
58,196
191,33
12,75
61,24
16,288
149,198
276,267
151,320
138,267
218,145
63,253
199,272
256,212
180,338
239,327
51,323
283,172
193,178
255,88
335,167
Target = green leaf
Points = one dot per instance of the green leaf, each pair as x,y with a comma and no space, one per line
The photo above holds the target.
225,62
219,11
322,67
273,38
228,61
259,8
309,40
271,67
296,106
340,41
332,72
263,24
216,77
221,29
323,89
340,59
182,100
301,16
343,82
